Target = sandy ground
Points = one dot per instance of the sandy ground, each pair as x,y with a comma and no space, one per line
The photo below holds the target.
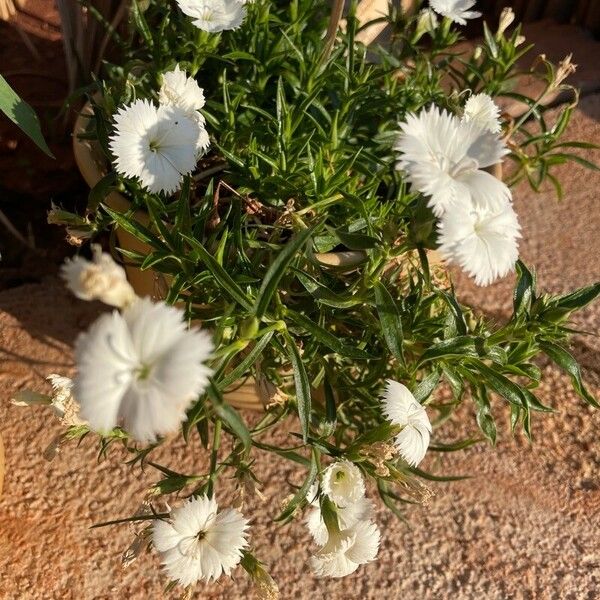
525,526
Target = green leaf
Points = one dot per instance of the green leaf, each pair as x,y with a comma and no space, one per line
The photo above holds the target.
455,446
381,433
524,290
567,362
431,477
499,383
328,339
456,310
391,321
277,270
426,387
136,229
484,416
22,115
464,346
220,275
356,241
303,397
300,498
579,298
100,191
246,364
230,417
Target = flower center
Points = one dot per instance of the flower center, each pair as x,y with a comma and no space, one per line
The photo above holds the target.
143,372
154,145
340,475
200,535
465,165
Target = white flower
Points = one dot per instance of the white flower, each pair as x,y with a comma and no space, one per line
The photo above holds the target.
179,90
456,10
100,279
141,369
156,145
481,109
348,517
343,483
401,408
198,542
443,158
346,550
483,242
214,15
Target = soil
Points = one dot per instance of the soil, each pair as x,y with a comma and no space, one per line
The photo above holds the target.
32,61
525,526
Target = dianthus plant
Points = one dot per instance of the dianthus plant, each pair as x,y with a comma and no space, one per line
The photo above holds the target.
300,189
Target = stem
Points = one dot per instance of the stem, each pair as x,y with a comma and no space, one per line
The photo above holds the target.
213,456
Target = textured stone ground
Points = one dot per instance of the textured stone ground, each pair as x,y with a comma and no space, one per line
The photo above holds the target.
525,526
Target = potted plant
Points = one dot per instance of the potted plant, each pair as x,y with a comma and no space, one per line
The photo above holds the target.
287,193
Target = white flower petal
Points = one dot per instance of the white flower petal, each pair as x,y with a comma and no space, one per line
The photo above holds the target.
348,516
443,158
401,408
456,10
140,369
155,145
483,241
343,483
413,442
178,89
214,15
481,109
346,550
100,279
198,542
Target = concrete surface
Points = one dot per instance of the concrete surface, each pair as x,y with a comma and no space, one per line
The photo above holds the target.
524,527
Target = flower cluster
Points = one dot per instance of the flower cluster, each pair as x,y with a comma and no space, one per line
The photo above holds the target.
139,368
300,234
445,158
339,522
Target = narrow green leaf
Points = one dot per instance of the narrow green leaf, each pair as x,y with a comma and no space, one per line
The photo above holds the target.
22,115
426,386
579,298
356,241
100,191
328,339
568,363
484,416
277,270
230,417
300,498
455,446
391,321
303,397
524,290
499,383
246,364
136,229
219,274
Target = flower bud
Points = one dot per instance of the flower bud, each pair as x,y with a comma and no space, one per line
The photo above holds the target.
506,20
427,22
101,279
